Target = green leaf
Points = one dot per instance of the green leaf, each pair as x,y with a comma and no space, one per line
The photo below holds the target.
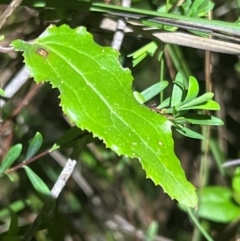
13,208
217,205
179,113
34,146
152,231
204,7
152,25
195,8
138,96
180,120
153,90
177,93
2,93
164,8
152,45
139,59
13,228
69,138
80,145
199,119
147,50
37,182
165,103
95,92
158,25
209,105
236,185
188,132
39,4
10,157
160,55
193,90
179,80
197,101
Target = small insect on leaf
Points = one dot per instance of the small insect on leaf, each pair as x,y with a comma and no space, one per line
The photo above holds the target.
42,52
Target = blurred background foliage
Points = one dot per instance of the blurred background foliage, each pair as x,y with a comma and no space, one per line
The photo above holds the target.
110,197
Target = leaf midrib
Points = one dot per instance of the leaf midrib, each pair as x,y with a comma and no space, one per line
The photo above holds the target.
107,104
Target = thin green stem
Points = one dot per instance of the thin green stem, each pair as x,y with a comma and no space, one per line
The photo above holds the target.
198,225
167,6
162,66
179,61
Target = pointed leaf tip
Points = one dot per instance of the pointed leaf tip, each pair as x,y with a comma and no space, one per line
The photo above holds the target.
38,184
10,157
34,146
193,89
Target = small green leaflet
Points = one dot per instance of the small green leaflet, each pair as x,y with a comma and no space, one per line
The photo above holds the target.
96,95
37,182
34,146
10,157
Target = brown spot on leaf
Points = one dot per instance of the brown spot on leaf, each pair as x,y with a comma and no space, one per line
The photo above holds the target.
42,52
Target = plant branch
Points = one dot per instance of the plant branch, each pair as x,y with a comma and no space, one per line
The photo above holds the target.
9,11
6,49
121,25
76,175
178,38
31,93
25,163
220,28
231,163
3,19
